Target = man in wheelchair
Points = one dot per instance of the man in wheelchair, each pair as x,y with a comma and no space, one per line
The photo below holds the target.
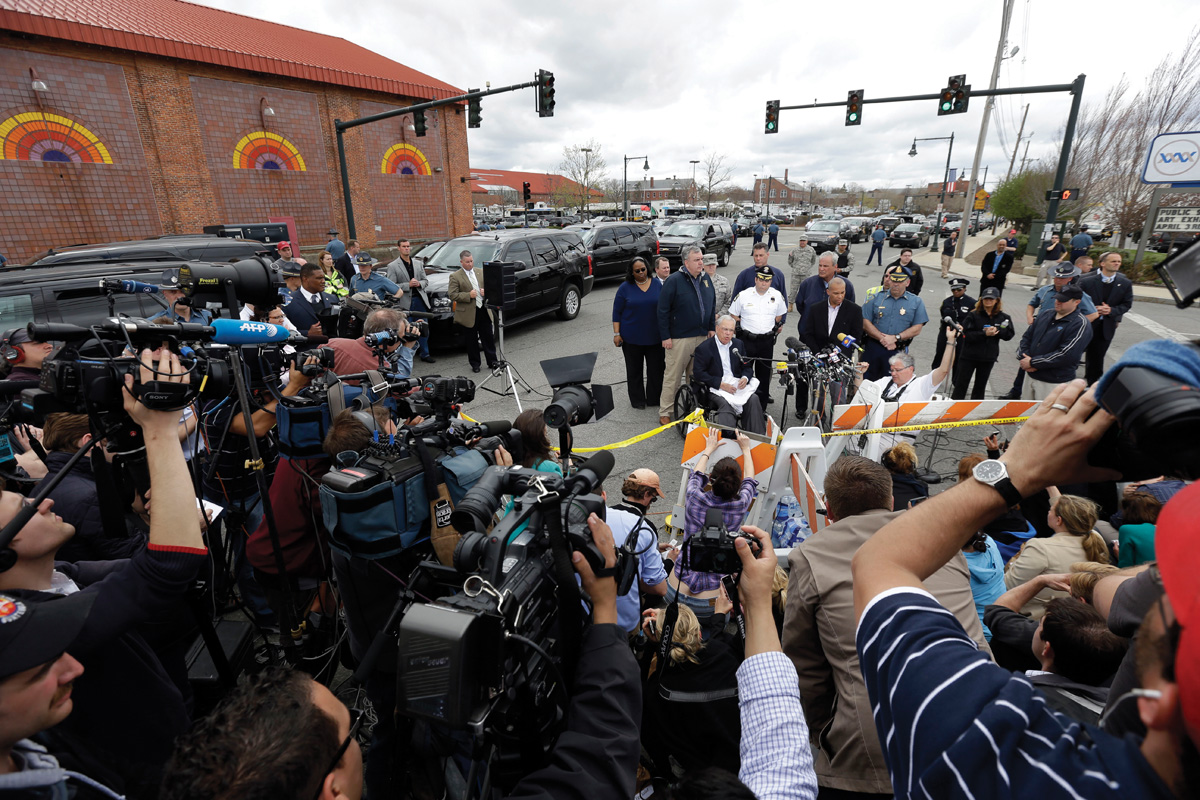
721,370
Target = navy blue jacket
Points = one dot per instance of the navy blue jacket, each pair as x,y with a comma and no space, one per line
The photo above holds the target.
76,501
1055,346
679,313
812,293
301,312
706,363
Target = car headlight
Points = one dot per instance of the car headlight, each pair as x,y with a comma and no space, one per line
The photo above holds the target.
442,301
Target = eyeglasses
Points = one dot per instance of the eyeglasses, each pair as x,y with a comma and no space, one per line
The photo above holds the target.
356,719
636,270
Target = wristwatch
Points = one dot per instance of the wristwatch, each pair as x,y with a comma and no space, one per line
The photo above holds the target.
995,474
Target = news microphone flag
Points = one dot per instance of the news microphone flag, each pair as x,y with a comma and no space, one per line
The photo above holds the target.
238,332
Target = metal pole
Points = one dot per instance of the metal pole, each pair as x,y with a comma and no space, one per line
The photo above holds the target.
1025,155
1064,155
351,231
969,205
1013,160
1148,228
942,201
625,191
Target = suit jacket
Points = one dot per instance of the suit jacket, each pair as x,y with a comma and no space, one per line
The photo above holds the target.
400,274
818,636
1120,299
459,291
301,312
706,363
345,267
1006,265
814,325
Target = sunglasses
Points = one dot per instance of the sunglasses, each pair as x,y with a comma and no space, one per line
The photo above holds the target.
357,716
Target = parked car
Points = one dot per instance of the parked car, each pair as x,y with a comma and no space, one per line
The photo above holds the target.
712,236
745,225
1167,242
182,247
613,245
427,251
889,223
554,273
862,228
908,235
823,234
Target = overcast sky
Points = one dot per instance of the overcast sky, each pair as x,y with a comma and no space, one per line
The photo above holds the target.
674,81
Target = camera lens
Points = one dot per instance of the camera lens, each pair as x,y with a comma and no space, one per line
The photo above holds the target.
469,551
571,405
475,510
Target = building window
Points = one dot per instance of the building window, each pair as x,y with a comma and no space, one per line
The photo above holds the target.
772,193
783,193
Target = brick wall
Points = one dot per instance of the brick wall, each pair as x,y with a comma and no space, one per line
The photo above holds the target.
171,127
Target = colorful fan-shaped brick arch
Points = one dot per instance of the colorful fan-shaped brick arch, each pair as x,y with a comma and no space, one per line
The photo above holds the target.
404,159
39,136
266,150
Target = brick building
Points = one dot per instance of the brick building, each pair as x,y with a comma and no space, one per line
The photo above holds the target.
649,189
122,119
505,187
779,190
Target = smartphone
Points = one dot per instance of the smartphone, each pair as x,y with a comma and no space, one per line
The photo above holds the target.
653,627
916,501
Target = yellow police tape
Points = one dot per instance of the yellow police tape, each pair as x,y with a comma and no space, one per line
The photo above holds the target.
696,417
930,426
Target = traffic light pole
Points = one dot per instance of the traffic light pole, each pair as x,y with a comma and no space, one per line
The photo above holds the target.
1064,156
340,127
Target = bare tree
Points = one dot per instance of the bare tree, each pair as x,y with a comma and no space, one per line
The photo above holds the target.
714,176
583,164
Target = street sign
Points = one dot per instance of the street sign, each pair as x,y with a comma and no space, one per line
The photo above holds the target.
1173,158
1177,220
981,198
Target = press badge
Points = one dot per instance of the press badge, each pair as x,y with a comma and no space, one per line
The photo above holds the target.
441,513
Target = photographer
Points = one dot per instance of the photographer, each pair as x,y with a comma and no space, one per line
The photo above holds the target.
538,454
23,357
355,355
126,702
955,724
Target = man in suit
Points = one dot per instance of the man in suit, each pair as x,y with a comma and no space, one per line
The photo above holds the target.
819,330
466,292
310,302
819,627
718,365
410,276
344,263
996,266
1112,293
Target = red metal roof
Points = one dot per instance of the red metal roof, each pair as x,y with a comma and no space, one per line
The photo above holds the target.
191,32
539,182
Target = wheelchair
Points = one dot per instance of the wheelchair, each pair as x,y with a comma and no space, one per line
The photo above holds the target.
691,395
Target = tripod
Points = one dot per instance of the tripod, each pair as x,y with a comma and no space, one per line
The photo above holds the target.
510,375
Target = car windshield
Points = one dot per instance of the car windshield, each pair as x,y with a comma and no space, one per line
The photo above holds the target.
826,226
888,221
907,228
585,232
685,229
446,259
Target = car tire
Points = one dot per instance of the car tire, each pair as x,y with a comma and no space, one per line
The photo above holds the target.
724,260
572,300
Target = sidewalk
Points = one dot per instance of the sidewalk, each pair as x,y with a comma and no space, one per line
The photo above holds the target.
1151,294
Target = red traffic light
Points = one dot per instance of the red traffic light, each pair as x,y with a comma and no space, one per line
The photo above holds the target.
1067,194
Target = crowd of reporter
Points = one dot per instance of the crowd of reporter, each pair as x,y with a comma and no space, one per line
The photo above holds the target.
964,645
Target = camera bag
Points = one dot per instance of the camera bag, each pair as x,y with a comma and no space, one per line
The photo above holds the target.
382,520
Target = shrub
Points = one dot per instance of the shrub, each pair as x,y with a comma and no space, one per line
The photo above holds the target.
1141,272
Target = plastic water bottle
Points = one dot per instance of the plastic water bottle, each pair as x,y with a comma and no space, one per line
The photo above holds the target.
781,520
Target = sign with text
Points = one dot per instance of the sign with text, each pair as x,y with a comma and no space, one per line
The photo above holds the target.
1173,220
1173,158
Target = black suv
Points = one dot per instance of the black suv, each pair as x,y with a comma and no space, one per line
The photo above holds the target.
183,247
614,245
711,235
554,273
823,235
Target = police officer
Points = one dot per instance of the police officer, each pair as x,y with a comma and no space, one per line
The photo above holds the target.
890,320
179,308
759,312
956,307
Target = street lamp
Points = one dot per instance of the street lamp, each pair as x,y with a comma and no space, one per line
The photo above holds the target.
587,166
694,162
945,178
625,181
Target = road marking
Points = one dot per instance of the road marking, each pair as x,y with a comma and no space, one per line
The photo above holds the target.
1161,331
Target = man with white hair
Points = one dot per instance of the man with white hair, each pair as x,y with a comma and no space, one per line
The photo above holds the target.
903,386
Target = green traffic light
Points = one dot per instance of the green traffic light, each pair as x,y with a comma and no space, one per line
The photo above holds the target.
853,117
946,106
771,125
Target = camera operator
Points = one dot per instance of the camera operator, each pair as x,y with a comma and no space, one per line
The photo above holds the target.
126,703
23,357
229,478
355,355
179,307
954,723
76,499
309,302
537,453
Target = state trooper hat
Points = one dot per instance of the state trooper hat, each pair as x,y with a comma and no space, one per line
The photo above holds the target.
899,274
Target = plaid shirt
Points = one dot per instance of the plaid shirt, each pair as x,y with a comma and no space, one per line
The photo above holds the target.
697,506
777,762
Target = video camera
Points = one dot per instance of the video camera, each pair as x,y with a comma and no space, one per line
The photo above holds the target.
711,549
382,340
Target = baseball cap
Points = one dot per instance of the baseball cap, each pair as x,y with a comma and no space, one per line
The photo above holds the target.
898,274
647,477
803,237
842,242
283,244
990,292
1069,292
34,631
959,283
1066,270
169,279
765,272
291,270
710,258
1178,561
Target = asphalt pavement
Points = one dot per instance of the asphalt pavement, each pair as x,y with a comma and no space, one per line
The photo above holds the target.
525,346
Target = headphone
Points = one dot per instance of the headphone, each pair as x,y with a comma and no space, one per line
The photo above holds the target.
12,354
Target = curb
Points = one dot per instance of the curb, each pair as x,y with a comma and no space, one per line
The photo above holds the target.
961,268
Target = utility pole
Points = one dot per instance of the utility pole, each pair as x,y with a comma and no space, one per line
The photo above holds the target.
968,207
1018,144
1025,156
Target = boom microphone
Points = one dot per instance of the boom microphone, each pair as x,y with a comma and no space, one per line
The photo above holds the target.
128,286
734,352
238,332
593,472
848,341
794,344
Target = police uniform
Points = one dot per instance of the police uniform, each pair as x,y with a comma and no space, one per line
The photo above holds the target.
890,315
170,280
757,313
957,309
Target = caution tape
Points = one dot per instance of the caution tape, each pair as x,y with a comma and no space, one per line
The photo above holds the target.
931,426
695,418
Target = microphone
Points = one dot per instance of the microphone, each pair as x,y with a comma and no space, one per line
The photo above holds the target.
238,332
592,473
848,341
188,330
795,344
128,286
734,352
950,321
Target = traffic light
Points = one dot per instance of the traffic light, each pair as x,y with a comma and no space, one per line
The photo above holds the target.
527,194
772,124
1062,194
545,93
854,107
955,96
1069,193
473,115
419,122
